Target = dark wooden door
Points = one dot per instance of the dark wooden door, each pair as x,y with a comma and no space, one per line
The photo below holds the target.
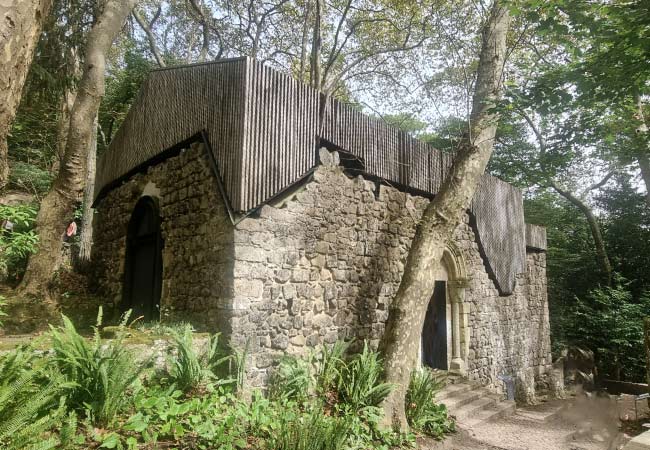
434,331
143,267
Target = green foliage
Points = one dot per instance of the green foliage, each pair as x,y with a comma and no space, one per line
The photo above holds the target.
17,245
360,384
41,395
312,431
190,368
3,303
122,85
29,178
165,415
422,411
102,373
610,322
330,367
30,405
292,379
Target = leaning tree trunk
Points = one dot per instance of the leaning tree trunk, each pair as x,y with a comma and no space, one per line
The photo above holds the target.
21,22
441,218
599,243
58,206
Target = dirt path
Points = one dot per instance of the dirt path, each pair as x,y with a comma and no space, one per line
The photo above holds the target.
580,424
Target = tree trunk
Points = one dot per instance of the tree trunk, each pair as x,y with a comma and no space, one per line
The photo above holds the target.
58,206
646,342
644,165
21,22
153,47
643,152
316,45
599,243
86,238
62,128
441,218
304,40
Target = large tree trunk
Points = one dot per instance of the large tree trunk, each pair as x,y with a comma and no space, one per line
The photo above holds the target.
62,127
441,218
86,237
58,206
599,243
21,22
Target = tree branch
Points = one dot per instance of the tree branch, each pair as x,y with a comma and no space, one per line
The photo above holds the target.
146,27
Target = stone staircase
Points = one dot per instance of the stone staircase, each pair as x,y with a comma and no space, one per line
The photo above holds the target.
471,403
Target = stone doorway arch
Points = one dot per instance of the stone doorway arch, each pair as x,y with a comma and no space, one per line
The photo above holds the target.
143,261
457,282
448,301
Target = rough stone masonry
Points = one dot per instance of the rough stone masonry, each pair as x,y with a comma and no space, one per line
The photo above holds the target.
321,263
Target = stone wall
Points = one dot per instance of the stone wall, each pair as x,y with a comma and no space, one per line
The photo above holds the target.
324,263
320,264
197,234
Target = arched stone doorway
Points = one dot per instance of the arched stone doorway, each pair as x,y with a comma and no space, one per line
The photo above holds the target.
445,333
143,265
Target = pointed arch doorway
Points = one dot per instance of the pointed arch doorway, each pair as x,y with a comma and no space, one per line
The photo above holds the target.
445,332
143,265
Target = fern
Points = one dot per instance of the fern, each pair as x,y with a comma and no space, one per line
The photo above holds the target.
422,412
291,380
313,431
28,404
330,367
189,368
360,383
102,373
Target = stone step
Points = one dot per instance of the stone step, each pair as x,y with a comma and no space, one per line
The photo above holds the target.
471,409
496,410
452,390
459,399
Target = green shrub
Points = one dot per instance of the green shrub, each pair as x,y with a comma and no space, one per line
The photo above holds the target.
30,178
609,321
166,415
17,245
330,366
360,384
189,368
292,379
30,402
311,431
422,411
102,372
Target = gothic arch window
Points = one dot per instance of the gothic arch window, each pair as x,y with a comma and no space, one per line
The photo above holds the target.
143,265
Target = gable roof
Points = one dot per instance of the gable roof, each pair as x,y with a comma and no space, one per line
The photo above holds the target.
263,128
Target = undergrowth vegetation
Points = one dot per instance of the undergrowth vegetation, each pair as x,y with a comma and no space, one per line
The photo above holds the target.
89,392
18,239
